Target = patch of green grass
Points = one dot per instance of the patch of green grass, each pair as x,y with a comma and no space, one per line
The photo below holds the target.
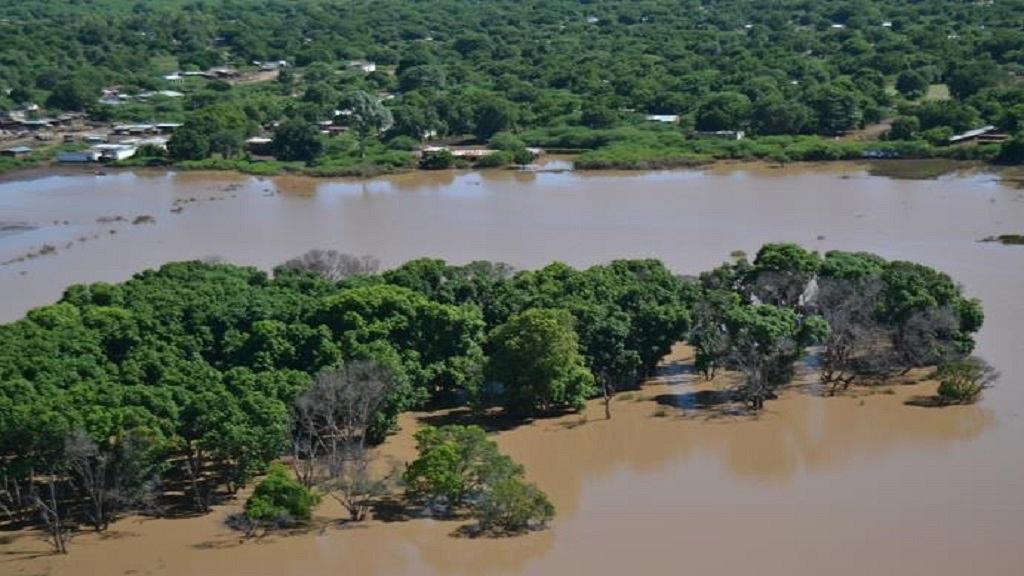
937,92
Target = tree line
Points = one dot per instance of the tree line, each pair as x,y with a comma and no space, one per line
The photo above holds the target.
451,69
176,388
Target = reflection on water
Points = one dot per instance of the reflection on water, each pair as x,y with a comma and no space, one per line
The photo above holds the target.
832,485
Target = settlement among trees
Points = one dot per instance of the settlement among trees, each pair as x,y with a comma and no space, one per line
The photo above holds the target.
343,87
180,386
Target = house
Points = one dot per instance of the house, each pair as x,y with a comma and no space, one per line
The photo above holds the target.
114,152
16,152
467,153
174,78
134,129
154,141
719,134
78,156
259,145
364,65
167,127
33,125
666,118
983,135
270,66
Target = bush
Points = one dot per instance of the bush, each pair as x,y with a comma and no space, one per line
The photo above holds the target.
506,141
456,465
513,506
440,160
403,142
962,382
280,500
496,160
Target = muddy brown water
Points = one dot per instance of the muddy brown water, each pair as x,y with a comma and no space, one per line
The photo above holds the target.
851,485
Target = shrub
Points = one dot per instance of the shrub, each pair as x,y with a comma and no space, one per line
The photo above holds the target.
456,465
506,141
962,382
496,160
403,142
440,160
513,506
281,500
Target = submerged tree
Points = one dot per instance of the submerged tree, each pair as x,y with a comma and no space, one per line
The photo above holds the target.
764,342
331,428
962,382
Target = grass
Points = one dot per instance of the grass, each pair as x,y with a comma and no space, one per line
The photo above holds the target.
937,92
644,147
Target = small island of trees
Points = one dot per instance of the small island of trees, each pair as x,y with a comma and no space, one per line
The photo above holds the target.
177,388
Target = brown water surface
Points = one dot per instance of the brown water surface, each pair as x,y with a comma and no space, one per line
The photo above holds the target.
850,485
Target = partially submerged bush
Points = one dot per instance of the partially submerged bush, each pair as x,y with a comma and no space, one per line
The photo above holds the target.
513,506
460,469
280,500
962,382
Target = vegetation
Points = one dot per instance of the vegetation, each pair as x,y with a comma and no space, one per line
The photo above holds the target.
279,500
192,378
875,318
458,467
553,71
962,382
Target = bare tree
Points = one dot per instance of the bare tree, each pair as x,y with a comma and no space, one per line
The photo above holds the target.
355,487
91,468
332,419
109,478
48,496
927,338
857,343
331,264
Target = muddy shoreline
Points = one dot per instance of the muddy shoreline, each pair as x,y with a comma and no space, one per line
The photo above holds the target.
910,168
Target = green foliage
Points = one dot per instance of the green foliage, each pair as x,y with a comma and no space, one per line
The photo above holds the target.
513,506
912,84
296,141
724,111
535,357
962,382
439,160
280,499
456,466
459,468
1012,151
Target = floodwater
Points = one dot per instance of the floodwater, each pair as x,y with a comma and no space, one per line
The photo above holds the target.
857,484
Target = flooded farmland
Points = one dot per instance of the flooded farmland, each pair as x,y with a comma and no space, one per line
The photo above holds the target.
846,485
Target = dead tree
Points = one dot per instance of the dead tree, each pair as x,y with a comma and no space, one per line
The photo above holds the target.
332,419
48,498
332,265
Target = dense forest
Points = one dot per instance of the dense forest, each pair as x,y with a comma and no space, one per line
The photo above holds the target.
177,387
559,73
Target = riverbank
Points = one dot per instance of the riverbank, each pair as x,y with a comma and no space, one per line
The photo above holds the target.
591,468
625,148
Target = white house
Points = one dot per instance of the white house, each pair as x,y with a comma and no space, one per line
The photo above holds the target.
364,65
666,118
114,152
78,156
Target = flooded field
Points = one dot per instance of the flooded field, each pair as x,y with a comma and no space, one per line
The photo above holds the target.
857,484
